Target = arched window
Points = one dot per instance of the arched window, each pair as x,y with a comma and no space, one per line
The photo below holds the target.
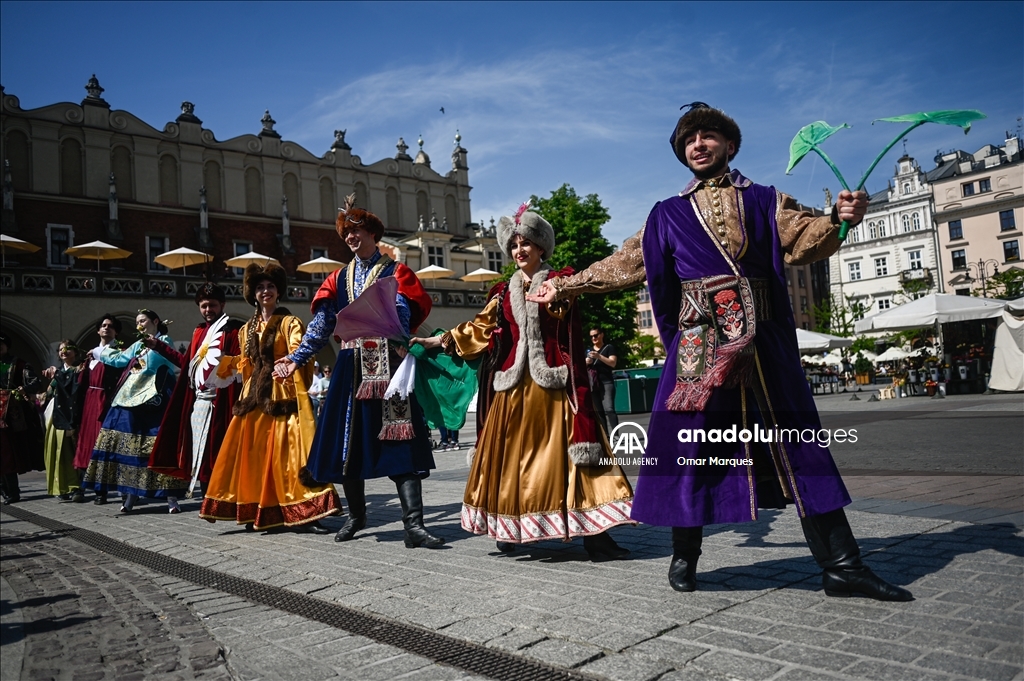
168,179
917,221
872,230
253,191
881,229
422,206
362,200
214,191
451,212
16,149
394,212
71,168
328,206
121,166
906,223
906,187
855,235
291,191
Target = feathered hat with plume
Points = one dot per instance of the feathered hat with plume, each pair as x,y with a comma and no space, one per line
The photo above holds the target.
700,116
528,225
350,217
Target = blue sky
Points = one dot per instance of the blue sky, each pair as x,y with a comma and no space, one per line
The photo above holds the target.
543,93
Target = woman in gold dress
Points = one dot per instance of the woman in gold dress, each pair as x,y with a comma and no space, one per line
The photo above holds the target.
255,481
540,470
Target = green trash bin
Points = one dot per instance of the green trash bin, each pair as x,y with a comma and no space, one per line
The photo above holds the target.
635,394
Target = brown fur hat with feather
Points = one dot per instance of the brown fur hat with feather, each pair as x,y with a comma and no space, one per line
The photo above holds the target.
350,216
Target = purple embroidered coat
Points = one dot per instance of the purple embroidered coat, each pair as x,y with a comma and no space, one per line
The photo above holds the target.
678,247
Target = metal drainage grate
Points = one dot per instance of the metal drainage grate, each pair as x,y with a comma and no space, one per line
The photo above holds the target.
471,657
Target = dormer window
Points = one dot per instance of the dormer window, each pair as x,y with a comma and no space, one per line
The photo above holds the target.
906,187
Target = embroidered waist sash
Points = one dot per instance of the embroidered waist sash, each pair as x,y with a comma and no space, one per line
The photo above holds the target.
717,323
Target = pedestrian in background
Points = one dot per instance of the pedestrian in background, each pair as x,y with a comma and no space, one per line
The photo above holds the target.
59,440
601,359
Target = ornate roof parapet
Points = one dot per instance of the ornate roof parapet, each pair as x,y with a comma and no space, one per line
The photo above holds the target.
402,148
421,157
188,114
268,126
459,161
94,93
339,141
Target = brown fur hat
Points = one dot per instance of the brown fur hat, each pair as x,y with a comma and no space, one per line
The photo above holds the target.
530,226
703,117
254,274
350,216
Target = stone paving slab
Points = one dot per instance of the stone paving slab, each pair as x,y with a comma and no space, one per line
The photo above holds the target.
760,612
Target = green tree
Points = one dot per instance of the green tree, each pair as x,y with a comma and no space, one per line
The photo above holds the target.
577,222
645,346
837,318
1008,284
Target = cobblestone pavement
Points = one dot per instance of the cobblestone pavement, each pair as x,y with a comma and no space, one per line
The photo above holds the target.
759,613
84,616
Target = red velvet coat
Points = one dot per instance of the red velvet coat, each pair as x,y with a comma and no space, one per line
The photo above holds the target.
172,453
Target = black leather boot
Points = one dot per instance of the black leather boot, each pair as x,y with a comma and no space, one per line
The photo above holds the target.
682,573
10,488
602,547
835,549
410,493
355,497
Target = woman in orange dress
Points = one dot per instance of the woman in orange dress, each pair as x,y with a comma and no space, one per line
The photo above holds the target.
255,481
542,467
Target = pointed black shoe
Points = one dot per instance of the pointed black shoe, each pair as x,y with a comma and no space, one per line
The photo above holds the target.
682,572
835,549
602,547
410,493
351,526
313,528
506,546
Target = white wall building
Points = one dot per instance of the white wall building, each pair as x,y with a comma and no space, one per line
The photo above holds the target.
892,256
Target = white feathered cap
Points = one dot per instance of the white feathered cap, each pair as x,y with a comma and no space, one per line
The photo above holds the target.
530,226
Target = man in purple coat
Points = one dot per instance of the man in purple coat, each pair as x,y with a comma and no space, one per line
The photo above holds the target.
733,410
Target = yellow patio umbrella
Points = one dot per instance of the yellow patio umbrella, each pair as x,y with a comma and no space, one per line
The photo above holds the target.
320,265
249,258
182,257
9,243
434,272
97,250
480,275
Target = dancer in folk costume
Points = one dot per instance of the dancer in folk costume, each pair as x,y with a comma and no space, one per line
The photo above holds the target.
120,457
537,472
21,431
97,384
361,435
59,441
255,480
714,257
198,415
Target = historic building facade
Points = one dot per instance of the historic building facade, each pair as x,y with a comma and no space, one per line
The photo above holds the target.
76,173
892,256
979,210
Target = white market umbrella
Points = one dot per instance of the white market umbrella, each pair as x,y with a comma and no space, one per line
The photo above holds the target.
434,272
10,243
1016,306
811,359
833,360
320,265
480,275
813,341
250,258
97,250
892,354
182,257
936,308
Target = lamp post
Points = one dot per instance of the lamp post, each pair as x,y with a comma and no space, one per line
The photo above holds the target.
980,269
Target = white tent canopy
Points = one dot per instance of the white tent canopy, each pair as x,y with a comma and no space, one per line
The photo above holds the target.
813,341
1008,358
892,354
1016,306
941,308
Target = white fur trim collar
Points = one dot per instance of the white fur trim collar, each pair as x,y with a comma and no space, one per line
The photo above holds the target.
527,318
